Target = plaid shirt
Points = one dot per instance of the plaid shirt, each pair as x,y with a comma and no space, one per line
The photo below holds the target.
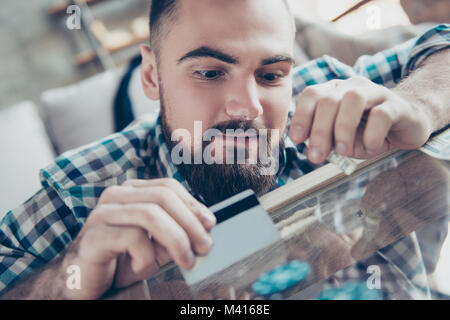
40,229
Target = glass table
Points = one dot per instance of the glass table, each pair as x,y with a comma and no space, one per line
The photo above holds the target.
383,228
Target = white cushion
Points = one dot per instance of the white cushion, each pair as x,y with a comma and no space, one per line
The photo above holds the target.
82,113
25,149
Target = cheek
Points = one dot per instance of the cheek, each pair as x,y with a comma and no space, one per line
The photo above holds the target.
191,107
188,103
276,105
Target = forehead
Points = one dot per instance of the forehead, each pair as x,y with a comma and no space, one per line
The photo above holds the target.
239,26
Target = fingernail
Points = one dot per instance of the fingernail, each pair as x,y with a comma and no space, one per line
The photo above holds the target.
297,133
208,215
341,148
315,154
206,242
189,258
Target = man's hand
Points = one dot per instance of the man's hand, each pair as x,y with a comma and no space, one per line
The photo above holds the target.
358,118
136,228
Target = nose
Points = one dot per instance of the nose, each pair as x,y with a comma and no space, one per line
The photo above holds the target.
243,101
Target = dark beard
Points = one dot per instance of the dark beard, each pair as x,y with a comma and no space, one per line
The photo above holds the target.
217,182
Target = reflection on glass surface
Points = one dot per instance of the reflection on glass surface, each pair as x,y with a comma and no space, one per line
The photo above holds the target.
382,227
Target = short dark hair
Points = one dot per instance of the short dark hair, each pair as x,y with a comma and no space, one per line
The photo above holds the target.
163,9
159,10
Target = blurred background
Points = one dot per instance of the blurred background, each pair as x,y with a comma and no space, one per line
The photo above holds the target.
70,75
39,52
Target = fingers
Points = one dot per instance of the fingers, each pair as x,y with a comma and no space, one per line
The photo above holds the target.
302,119
347,121
126,253
115,241
162,256
207,218
126,275
155,221
331,114
378,125
171,204
322,129
372,139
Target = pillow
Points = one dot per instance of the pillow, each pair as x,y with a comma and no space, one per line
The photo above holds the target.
81,113
25,149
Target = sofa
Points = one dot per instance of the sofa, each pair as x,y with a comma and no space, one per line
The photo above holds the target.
67,118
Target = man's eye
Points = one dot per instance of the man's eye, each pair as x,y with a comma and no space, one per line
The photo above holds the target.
270,77
209,74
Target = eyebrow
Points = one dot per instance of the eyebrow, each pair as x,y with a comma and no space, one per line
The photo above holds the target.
278,58
216,54
210,53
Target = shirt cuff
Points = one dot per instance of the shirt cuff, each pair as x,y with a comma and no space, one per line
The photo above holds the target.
432,41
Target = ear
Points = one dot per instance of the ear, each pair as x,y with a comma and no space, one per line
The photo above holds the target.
149,73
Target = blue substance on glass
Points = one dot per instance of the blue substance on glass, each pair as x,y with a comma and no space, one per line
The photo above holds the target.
282,277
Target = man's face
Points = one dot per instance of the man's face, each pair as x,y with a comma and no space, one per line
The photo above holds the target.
224,61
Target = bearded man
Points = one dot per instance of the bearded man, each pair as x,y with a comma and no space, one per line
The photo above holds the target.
120,208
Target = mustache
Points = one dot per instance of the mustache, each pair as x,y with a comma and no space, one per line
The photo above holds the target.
239,124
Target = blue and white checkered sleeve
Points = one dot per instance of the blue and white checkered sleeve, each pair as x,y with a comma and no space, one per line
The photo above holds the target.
33,234
433,40
390,66
386,68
